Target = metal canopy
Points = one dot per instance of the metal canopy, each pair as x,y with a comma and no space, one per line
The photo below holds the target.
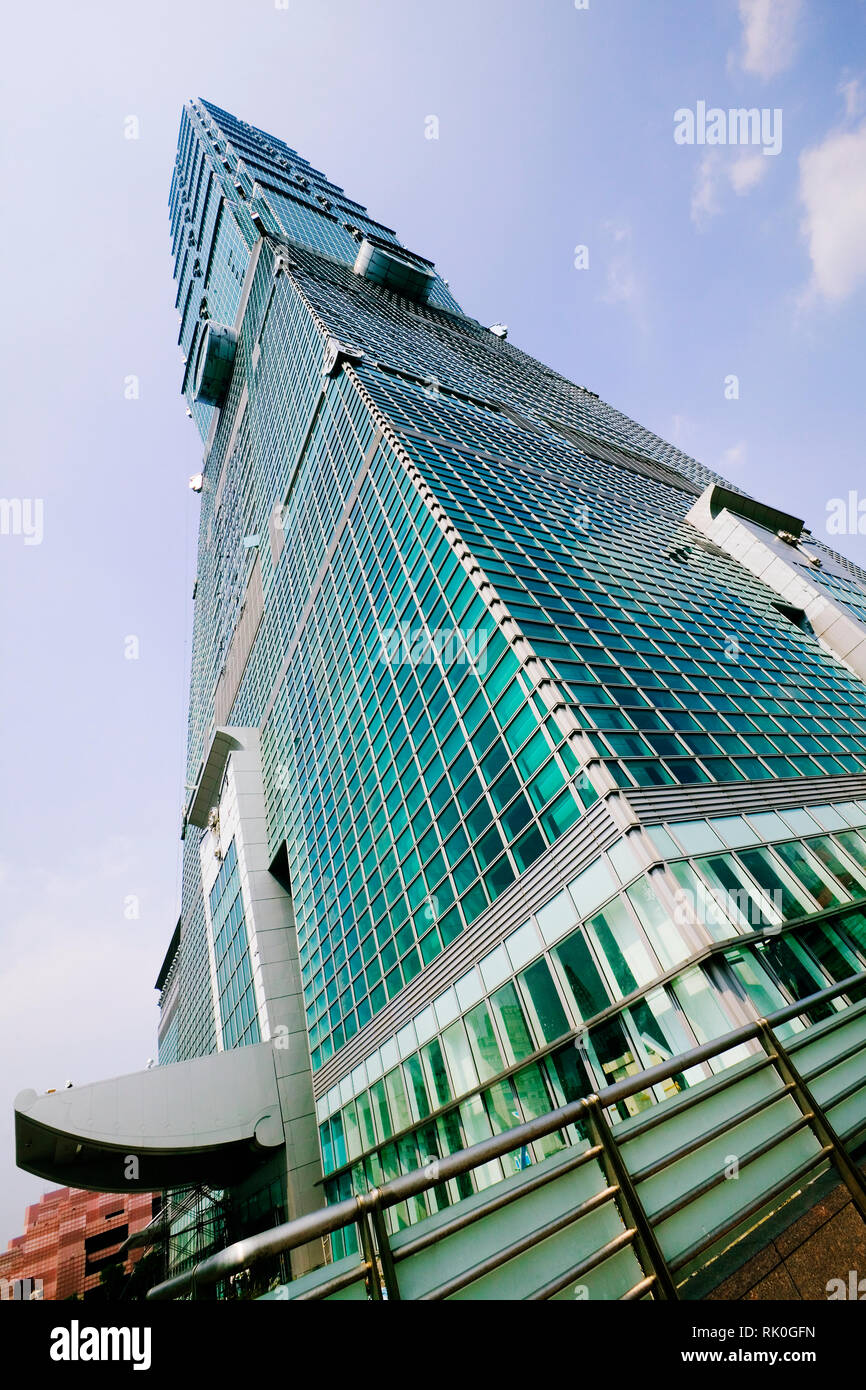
209,1120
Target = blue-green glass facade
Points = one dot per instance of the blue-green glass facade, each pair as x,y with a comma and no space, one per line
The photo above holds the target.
542,762
237,1001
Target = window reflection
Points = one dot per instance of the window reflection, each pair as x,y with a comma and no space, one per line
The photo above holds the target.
613,1059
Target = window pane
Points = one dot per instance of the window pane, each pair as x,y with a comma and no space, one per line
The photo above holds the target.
623,947
664,935
535,1101
354,1145
380,1110
401,1115
592,886
414,1074
833,954
738,896
823,847
663,1035
703,1009
338,1140
570,1078
482,1039
544,1007
734,831
805,869
502,1108
788,902
460,1064
710,906
581,973
614,1060
855,846
696,836
365,1120
477,1127
854,924
759,986
513,1029
436,1073
797,973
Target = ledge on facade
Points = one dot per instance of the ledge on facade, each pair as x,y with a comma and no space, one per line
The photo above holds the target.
716,499
209,1120
206,794
768,544
168,959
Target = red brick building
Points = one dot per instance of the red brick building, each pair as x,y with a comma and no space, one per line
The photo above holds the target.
69,1236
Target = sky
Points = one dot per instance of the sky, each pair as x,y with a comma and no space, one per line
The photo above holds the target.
712,291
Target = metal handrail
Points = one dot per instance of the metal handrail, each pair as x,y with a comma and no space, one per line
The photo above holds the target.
706,1136
496,1202
304,1229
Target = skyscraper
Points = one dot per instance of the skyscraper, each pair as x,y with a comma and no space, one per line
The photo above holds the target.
511,726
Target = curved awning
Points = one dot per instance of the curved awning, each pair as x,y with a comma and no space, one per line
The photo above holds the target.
717,498
205,794
209,1120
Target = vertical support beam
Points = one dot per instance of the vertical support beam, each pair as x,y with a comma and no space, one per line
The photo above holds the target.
618,1176
386,1258
365,1238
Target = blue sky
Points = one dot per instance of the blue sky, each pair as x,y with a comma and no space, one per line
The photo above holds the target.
555,130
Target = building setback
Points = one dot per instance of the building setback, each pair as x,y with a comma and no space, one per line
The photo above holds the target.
510,726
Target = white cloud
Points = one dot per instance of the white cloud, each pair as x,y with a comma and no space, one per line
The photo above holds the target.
620,280
623,283
833,193
852,93
705,195
747,171
733,459
769,35
686,434
678,426
717,169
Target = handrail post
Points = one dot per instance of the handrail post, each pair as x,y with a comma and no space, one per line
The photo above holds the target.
618,1176
365,1236
386,1257
819,1121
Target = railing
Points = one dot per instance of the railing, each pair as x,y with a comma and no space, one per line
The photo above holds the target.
662,1259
